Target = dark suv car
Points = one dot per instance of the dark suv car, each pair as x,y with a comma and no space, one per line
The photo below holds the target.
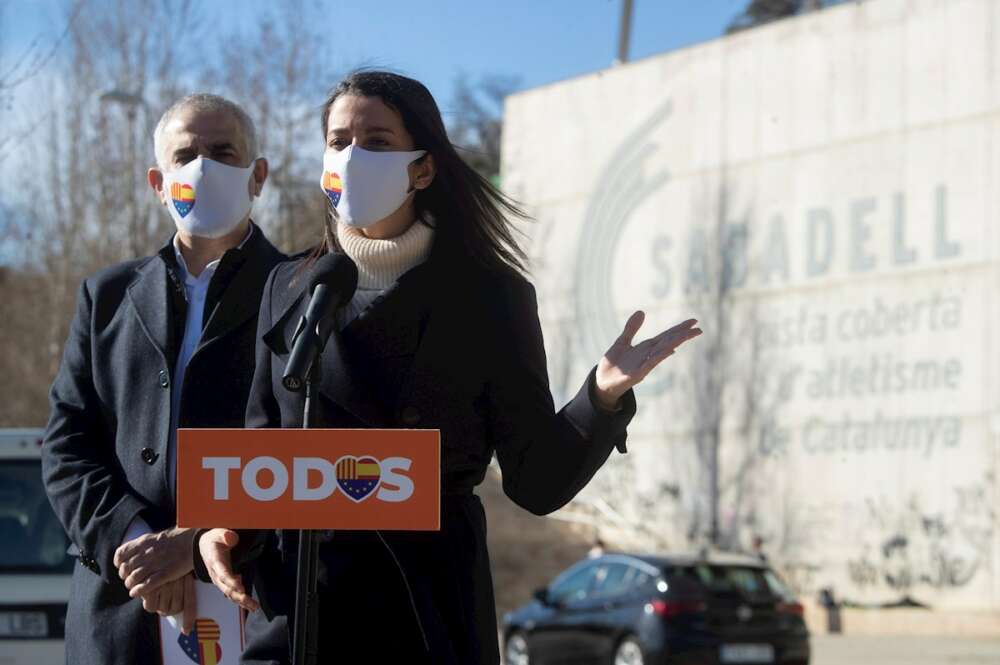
622,609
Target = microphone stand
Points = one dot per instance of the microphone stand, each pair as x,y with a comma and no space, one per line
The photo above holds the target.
304,644
302,371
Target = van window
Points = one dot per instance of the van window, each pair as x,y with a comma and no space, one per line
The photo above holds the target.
31,538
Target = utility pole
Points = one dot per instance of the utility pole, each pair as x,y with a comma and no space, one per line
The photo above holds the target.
624,32
131,102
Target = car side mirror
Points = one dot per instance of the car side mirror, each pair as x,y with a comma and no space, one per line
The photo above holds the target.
542,596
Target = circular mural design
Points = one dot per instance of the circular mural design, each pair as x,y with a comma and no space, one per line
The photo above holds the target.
624,184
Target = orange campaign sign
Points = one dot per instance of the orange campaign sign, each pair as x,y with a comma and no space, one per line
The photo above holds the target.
360,479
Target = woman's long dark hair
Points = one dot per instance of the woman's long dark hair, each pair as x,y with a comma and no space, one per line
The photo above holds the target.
470,215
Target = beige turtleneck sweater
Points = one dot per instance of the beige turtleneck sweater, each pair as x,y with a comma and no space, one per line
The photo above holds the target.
380,262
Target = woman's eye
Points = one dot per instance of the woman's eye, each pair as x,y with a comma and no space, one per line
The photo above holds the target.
377,144
337,144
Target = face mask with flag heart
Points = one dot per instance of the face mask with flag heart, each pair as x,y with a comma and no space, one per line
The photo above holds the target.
207,198
366,186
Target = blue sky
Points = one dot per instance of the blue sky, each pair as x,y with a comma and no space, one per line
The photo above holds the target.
435,41
539,41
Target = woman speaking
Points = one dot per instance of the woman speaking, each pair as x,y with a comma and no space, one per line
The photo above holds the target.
441,333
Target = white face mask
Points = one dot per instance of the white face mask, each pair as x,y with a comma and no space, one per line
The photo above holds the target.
206,198
365,186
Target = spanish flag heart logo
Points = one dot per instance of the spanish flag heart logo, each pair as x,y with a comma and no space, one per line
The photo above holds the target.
333,186
358,476
202,644
183,198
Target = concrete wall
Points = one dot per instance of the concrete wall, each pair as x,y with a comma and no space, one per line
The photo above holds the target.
858,150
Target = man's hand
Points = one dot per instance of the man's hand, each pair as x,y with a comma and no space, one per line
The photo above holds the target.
215,547
174,598
151,561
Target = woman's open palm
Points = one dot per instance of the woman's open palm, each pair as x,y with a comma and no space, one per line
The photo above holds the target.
625,365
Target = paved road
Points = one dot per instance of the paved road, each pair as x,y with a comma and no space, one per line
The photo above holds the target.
849,650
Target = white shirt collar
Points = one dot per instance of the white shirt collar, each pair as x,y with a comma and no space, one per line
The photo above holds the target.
209,270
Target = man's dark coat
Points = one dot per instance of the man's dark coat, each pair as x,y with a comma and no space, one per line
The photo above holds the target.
104,457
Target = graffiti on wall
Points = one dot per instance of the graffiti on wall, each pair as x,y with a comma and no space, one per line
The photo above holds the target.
907,546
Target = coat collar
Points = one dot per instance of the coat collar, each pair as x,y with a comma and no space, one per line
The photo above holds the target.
243,270
391,326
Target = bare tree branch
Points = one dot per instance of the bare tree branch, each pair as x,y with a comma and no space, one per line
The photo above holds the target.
33,59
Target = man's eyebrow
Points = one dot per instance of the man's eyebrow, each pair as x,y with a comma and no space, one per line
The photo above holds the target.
218,145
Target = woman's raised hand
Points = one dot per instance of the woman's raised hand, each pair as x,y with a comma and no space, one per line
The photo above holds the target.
624,365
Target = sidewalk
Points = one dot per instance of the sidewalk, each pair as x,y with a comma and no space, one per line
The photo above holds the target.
867,650
953,624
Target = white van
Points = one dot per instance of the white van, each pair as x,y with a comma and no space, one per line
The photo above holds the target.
34,567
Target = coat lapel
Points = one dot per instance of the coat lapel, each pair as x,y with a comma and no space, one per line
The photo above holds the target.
338,381
148,294
251,266
389,329
343,382
393,324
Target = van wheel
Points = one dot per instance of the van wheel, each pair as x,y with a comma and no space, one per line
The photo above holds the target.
516,650
628,652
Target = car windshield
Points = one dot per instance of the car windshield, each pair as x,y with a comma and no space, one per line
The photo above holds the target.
735,580
31,538
778,588
573,585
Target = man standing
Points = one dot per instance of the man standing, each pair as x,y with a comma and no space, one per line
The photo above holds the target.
156,343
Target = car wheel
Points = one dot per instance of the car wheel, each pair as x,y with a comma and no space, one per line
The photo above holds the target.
516,651
628,652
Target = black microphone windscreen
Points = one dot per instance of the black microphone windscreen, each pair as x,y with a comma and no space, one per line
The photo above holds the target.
338,273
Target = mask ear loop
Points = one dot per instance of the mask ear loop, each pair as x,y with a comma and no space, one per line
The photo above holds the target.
413,187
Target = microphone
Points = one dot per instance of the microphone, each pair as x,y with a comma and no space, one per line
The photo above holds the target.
332,283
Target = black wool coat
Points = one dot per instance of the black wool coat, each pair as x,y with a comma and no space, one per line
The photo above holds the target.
452,347
104,455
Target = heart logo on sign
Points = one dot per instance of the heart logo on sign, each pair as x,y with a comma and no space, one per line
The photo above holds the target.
358,477
201,645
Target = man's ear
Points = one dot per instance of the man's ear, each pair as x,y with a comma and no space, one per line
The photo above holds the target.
260,171
155,179
422,172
